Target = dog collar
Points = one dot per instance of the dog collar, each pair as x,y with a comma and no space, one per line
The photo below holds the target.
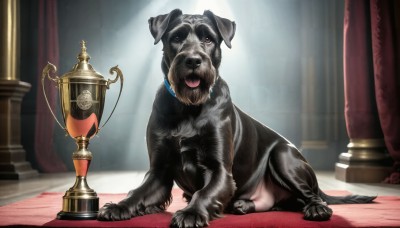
169,88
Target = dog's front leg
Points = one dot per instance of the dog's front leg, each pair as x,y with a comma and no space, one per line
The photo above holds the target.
151,197
154,195
215,159
207,203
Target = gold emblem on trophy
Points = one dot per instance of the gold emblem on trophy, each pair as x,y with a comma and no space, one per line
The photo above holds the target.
82,94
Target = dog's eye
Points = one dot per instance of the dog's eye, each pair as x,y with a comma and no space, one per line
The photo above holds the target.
177,38
207,40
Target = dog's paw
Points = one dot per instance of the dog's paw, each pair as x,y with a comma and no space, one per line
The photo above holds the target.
113,212
242,207
188,218
317,212
152,210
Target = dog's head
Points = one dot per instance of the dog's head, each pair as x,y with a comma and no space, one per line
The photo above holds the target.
192,52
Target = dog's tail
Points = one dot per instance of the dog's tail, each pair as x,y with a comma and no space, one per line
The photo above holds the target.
349,199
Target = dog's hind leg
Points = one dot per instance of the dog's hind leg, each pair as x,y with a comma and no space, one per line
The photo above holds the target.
290,170
264,198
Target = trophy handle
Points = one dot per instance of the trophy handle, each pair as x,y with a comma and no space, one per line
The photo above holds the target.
109,82
46,72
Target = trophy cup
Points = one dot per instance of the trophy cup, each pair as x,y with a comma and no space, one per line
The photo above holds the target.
82,96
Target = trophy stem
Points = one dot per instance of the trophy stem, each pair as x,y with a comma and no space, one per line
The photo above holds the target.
80,202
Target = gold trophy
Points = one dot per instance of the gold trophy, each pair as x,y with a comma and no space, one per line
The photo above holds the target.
82,94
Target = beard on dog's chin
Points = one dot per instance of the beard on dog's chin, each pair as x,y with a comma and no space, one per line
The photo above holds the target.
193,88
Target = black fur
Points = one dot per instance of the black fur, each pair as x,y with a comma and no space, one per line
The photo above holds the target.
216,153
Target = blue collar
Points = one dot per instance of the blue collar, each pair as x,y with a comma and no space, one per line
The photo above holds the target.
168,87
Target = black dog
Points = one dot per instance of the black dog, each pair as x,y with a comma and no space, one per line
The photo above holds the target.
224,160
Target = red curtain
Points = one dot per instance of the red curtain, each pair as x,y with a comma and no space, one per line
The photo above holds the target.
48,51
372,73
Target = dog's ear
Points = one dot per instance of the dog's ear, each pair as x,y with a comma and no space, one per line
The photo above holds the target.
158,25
225,27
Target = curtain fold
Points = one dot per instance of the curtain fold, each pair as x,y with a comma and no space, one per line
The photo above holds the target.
48,51
387,88
371,71
361,113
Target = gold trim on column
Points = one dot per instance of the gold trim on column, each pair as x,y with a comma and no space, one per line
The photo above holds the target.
366,143
365,150
9,40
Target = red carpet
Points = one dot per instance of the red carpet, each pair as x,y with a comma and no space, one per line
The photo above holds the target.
41,211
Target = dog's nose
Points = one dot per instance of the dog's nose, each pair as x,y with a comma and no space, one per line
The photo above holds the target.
193,61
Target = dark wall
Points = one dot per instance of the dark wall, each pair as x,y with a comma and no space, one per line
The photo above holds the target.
264,68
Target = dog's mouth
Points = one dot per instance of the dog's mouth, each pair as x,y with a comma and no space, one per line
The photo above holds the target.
192,81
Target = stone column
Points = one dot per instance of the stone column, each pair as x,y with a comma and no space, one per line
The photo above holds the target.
320,119
13,164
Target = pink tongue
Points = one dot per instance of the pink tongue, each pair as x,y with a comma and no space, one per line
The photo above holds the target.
192,83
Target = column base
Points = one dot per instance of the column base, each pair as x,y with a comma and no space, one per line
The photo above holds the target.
13,164
18,175
366,161
361,174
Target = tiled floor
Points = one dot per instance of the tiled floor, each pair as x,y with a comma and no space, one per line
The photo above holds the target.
123,181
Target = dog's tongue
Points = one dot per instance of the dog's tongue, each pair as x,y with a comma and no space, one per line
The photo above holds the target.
192,82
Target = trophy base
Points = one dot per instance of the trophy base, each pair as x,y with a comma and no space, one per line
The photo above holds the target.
79,208
62,215
80,202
